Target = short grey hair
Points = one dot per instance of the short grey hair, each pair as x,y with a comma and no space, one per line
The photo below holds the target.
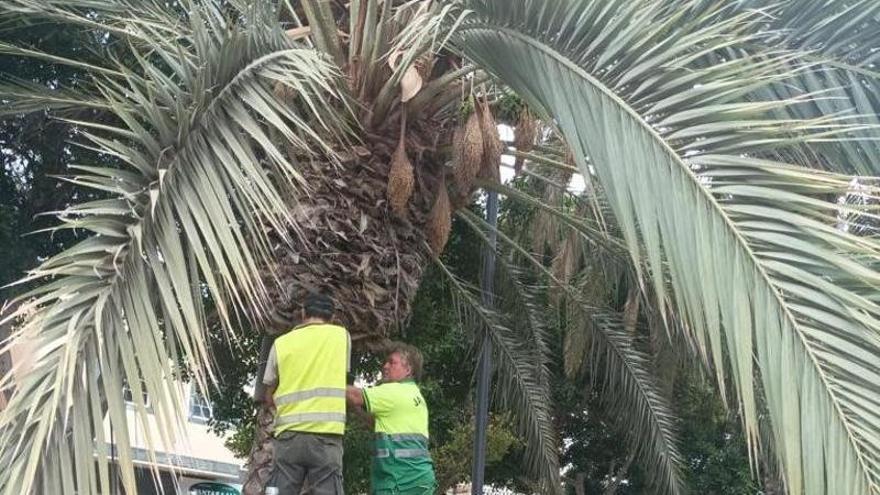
410,354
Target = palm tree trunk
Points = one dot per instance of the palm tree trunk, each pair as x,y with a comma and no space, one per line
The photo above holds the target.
262,455
352,246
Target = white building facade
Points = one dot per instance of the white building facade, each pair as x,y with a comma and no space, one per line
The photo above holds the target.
199,464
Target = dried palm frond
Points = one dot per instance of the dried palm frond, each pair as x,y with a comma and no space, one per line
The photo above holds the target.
284,92
425,65
566,261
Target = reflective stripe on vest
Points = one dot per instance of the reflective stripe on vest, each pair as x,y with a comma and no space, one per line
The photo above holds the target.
402,445
310,396
401,453
309,418
399,437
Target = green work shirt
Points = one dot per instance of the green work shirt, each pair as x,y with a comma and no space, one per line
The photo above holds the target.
401,462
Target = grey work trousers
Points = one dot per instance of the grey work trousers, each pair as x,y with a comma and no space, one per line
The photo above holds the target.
309,460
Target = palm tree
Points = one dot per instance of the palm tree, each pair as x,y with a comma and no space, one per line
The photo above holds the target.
266,149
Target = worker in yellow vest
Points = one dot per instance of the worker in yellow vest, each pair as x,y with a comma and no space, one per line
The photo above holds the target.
305,379
401,462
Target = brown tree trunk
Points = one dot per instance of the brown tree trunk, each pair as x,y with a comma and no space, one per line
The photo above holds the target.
261,457
350,245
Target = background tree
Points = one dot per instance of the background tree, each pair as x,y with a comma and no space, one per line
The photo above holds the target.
34,150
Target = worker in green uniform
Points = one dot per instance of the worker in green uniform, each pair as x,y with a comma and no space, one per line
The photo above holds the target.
305,379
401,462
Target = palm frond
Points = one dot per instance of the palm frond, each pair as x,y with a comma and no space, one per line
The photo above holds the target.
323,25
840,53
634,398
24,97
522,383
186,220
754,262
611,245
596,336
138,22
413,32
521,299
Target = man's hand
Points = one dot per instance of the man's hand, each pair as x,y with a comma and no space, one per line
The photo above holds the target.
354,396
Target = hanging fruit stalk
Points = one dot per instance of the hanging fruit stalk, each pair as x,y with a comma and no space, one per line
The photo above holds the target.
492,146
524,137
439,221
468,155
401,178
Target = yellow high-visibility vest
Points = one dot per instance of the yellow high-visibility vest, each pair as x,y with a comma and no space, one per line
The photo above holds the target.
310,396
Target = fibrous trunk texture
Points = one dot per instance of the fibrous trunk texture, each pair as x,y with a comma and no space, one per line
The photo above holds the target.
355,248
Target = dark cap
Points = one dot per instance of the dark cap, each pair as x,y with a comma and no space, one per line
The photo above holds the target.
318,305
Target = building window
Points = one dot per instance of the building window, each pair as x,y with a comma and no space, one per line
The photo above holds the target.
128,395
199,408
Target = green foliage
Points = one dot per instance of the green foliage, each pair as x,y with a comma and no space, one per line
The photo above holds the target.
241,438
453,460
358,454
234,411
508,107
34,150
712,442
592,450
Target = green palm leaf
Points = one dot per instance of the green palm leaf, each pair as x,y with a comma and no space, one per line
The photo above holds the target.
837,40
755,264
630,392
634,398
519,366
200,184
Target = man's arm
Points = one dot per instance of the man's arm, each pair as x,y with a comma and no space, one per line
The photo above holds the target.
268,397
347,352
270,379
354,396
